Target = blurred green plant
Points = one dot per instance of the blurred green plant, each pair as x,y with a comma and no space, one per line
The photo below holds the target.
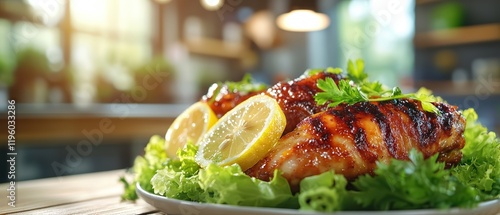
33,61
448,15
158,72
6,73
150,81
31,68
156,64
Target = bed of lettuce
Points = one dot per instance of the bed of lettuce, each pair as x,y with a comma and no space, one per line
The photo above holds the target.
414,184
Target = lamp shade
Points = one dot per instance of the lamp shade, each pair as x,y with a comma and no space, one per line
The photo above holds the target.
212,4
162,1
302,17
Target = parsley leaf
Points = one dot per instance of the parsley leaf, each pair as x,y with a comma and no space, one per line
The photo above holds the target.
357,88
425,97
414,184
356,73
343,93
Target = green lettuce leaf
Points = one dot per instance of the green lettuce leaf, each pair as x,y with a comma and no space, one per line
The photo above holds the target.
414,184
230,185
480,164
145,167
325,192
184,179
179,178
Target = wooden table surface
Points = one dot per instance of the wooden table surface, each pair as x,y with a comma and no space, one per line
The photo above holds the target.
94,193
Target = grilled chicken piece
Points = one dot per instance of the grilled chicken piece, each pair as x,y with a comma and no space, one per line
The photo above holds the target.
221,99
350,139
296,97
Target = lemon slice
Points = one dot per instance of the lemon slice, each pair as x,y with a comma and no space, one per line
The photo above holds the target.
244,135
190,125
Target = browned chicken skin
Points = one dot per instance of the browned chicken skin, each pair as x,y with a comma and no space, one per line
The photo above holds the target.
350,139
221,99
296,97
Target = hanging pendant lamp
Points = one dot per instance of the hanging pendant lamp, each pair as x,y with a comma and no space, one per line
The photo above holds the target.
303,17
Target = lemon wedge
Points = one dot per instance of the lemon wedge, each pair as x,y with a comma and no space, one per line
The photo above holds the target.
243,135
190,125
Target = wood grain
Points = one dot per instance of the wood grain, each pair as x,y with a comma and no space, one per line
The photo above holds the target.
49,192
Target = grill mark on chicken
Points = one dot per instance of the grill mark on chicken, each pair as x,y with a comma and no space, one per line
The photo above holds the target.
349,139
421,123
317,125
347,116
445,120
360,134
383,124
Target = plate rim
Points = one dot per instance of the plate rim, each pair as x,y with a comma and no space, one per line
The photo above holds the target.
147,196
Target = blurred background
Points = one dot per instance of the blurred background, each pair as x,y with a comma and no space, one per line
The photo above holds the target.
93,80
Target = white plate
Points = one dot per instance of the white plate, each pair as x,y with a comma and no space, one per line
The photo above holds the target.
178,207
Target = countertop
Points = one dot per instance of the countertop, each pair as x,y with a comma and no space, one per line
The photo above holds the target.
93,193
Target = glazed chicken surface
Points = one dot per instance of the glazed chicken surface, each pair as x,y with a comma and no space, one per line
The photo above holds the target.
221,99
350,139
296,97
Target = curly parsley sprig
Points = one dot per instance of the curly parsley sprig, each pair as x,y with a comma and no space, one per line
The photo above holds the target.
356,88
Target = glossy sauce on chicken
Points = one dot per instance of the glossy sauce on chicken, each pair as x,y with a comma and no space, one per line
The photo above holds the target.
296,97
221,99
350,139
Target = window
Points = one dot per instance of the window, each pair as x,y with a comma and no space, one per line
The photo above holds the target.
110,38
99,44
380,32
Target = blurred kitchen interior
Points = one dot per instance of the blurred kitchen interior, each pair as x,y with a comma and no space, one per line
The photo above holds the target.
114,73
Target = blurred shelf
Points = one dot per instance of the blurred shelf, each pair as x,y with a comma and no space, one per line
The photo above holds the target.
461,89
420,2
118,110
458,36
47,130
50,122
217,48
